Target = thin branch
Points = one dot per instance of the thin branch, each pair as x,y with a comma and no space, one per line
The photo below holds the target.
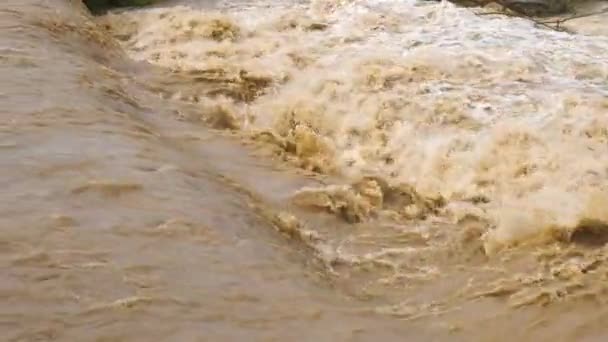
558,22
506,14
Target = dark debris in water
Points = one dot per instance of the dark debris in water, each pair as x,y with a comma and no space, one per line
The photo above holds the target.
100,6
592,233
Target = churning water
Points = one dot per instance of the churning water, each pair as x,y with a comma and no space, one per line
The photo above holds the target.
324,170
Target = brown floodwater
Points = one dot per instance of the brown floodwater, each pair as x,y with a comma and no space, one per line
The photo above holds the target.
308,171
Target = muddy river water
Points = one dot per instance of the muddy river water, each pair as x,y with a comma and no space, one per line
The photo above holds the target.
327,170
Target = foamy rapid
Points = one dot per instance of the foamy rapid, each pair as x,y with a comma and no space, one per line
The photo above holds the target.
502,120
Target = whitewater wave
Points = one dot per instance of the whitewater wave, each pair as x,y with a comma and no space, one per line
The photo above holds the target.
488,111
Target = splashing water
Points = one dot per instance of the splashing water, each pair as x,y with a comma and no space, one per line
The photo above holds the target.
502,120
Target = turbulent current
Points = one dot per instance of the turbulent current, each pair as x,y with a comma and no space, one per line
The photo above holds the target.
331,170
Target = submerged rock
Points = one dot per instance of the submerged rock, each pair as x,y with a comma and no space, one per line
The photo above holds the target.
534,8
101,5
538,7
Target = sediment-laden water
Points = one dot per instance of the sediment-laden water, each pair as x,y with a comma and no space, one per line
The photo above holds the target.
324,170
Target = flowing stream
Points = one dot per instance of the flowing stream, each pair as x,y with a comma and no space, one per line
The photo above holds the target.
326,170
